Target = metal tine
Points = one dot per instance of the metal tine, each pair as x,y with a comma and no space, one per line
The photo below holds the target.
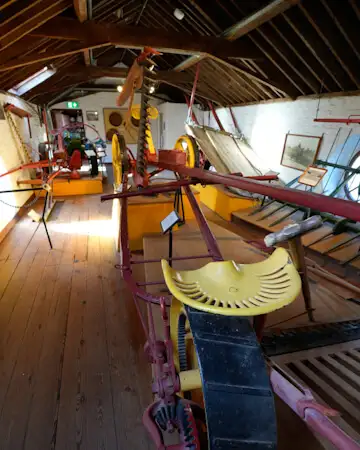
349,260
261,208
340,244
290,213
272,212
330,233
338,228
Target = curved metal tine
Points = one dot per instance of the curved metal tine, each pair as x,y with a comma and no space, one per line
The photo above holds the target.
290,213
272,212
340,244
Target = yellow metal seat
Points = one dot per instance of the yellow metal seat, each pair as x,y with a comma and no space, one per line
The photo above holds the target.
237,289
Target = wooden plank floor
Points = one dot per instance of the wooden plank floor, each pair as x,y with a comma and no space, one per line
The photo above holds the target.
72,371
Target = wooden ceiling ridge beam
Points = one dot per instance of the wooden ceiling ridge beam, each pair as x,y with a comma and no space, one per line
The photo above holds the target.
136,37
248,24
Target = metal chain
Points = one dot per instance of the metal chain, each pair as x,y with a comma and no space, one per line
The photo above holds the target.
27,205
18,135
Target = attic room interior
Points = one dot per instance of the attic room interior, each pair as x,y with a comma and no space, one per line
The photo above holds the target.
179,224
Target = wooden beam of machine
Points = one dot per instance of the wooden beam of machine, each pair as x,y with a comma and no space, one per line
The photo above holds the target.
136,37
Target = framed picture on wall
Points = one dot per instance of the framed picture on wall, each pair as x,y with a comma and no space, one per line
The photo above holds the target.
312,176
300,151
91,116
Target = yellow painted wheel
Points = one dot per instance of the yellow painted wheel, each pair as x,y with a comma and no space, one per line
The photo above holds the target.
119,158
188,144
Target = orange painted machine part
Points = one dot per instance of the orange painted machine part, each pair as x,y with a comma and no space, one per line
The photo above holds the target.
135,76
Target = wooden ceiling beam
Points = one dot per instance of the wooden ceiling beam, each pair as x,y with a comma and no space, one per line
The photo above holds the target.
16,9
122,72
260,17
24,46
286,59
81,10
321,52
307,60
346,22
328,32
6,4
246,25
23,24
136,37
50,55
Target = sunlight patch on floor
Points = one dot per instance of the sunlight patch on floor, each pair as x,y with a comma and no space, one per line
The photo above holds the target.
104,228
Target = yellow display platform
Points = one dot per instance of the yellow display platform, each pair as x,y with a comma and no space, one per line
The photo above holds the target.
146,213
221,201
85,185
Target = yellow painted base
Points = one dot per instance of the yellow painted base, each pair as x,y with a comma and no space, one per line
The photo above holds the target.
146,213
222,202
64,186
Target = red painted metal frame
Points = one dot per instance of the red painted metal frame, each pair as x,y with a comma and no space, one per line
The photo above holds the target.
216,117
347,121
315,415
193,116
317,202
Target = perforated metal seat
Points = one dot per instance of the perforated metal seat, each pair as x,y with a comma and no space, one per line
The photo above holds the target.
237,289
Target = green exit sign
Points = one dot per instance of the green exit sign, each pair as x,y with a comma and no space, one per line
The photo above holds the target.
73,105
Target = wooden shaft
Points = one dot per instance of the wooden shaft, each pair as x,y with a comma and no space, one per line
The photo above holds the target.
298,255
334,279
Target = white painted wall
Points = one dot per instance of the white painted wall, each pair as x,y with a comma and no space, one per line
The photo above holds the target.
172,123
265,126
11,156
99,101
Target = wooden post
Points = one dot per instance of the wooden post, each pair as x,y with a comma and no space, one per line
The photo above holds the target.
298,255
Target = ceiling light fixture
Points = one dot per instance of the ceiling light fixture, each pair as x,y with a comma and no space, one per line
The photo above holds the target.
119,88
179,14
152,89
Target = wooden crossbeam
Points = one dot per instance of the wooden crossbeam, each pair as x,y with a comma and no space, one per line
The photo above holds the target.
15,29
122,72
136,37
260,17
81,10
246,25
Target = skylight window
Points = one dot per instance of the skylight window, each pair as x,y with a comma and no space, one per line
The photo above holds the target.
33,81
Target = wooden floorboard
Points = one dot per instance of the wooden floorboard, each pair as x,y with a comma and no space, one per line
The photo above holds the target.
72,370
